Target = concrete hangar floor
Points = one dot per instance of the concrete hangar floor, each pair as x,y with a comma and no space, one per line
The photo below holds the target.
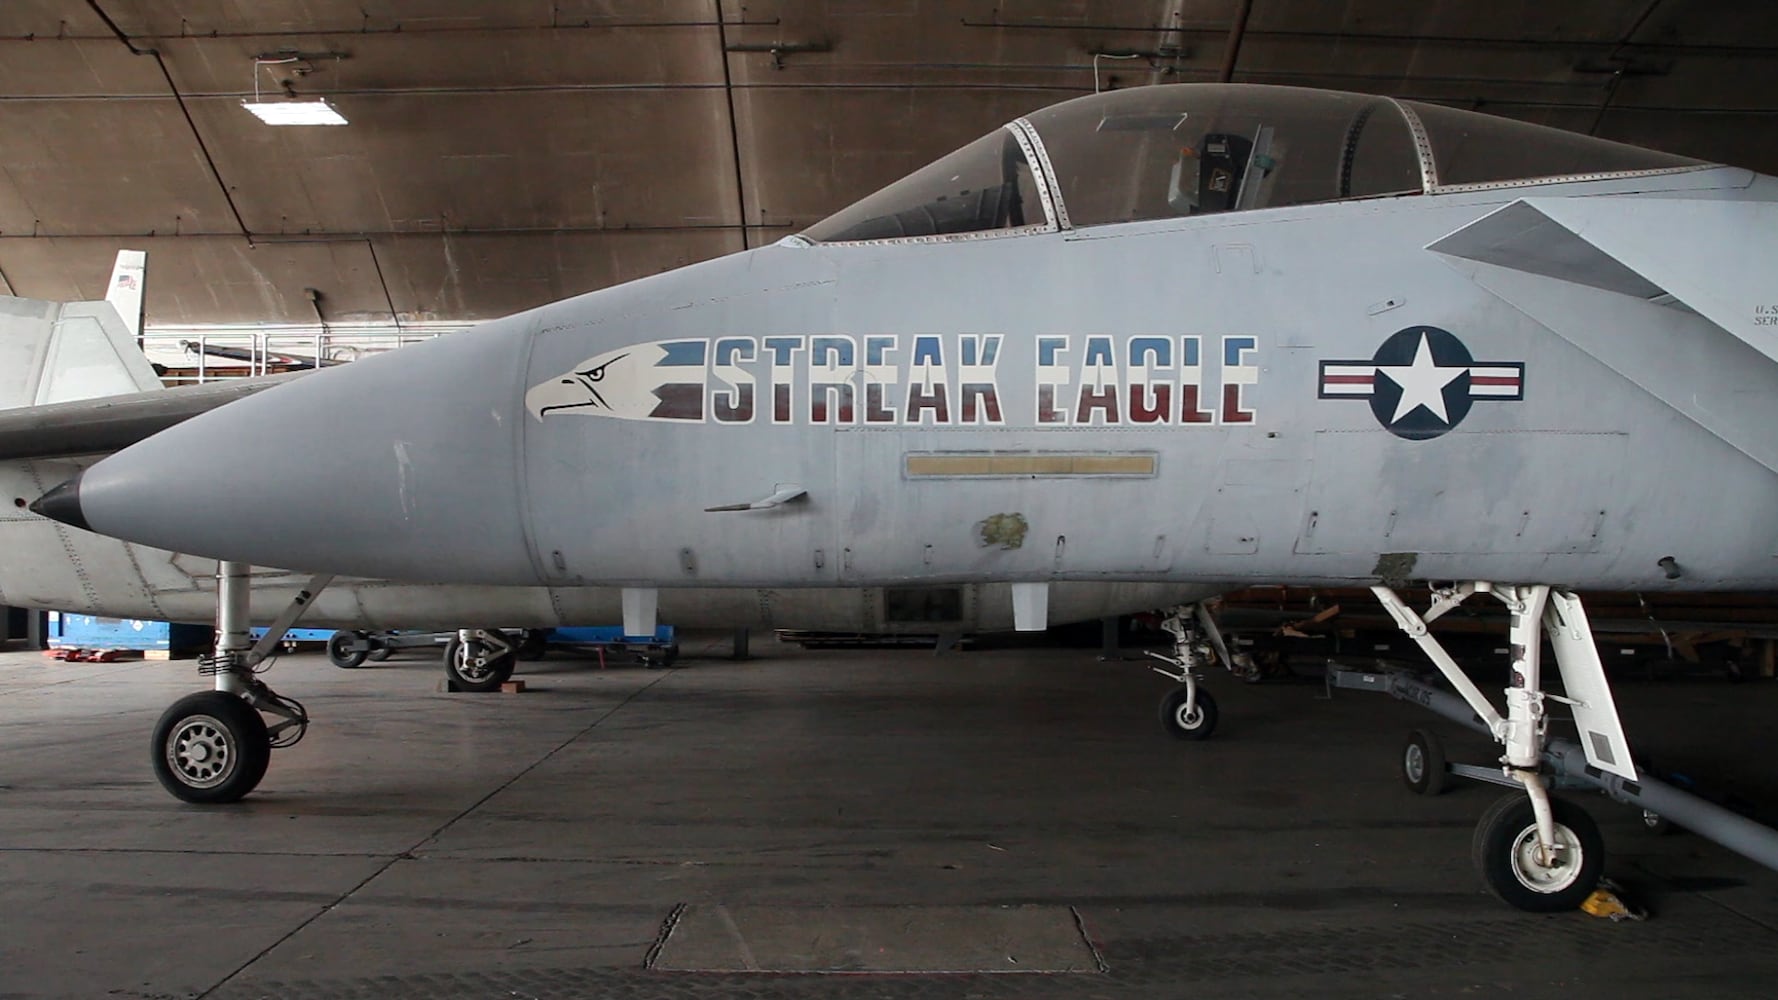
1013,816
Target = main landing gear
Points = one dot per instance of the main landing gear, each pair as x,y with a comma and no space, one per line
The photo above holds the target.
481,659
1188,711
1535,852
214,746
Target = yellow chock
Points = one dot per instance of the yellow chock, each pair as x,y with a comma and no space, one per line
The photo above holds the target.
1607,901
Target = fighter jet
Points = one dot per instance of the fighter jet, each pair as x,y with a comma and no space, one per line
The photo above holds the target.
74,387
1200,335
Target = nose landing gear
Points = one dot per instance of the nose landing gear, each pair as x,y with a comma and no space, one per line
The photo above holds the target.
214,746
1188,712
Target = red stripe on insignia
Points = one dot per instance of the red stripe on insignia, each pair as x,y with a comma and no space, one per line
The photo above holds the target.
1348,379
1492,380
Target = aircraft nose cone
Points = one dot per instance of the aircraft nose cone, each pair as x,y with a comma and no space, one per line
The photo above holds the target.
62,504
402,466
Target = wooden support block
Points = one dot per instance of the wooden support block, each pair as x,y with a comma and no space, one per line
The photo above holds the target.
157,654
448,686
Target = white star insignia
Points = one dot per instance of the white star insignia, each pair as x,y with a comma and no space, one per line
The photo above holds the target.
1422,383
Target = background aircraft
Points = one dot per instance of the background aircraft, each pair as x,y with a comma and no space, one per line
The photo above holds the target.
1185,335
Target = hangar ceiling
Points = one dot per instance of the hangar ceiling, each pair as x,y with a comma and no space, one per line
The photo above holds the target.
503,153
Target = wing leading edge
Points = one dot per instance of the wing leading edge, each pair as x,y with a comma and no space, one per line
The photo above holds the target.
103,425
1607,275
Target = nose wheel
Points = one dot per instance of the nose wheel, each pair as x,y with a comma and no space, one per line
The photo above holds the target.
211,747
1188,714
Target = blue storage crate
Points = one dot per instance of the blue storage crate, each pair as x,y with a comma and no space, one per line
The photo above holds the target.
91,632
611,635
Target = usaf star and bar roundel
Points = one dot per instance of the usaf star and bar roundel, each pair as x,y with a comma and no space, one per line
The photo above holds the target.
1422,382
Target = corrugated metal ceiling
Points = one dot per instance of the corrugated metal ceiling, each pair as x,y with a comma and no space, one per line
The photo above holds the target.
502,153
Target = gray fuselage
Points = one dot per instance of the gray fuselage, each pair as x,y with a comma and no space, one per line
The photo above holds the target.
582,443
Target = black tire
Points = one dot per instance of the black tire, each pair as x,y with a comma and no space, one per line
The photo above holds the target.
465,676
340,652
210,747
1197,727
1506,835
1423,763
379,654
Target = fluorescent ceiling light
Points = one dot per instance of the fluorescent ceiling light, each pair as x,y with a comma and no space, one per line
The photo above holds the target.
315,112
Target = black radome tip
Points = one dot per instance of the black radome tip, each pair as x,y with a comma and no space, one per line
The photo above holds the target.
63,504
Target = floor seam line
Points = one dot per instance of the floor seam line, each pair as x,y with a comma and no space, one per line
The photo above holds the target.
409,852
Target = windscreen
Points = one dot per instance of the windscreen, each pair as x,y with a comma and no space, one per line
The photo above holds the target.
987,185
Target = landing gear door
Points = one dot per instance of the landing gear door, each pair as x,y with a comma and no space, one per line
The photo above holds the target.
1583,681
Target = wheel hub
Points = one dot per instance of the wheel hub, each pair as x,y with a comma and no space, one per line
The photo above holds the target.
1539,873
1189,717
201,752
473,664
1414,763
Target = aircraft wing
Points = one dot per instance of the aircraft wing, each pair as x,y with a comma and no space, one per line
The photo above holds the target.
1629,246
103,425
1589,269
74,382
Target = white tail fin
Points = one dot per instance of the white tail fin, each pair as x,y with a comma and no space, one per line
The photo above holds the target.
125,291
54,352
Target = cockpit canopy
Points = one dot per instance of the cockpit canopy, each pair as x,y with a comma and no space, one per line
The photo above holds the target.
1194,149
